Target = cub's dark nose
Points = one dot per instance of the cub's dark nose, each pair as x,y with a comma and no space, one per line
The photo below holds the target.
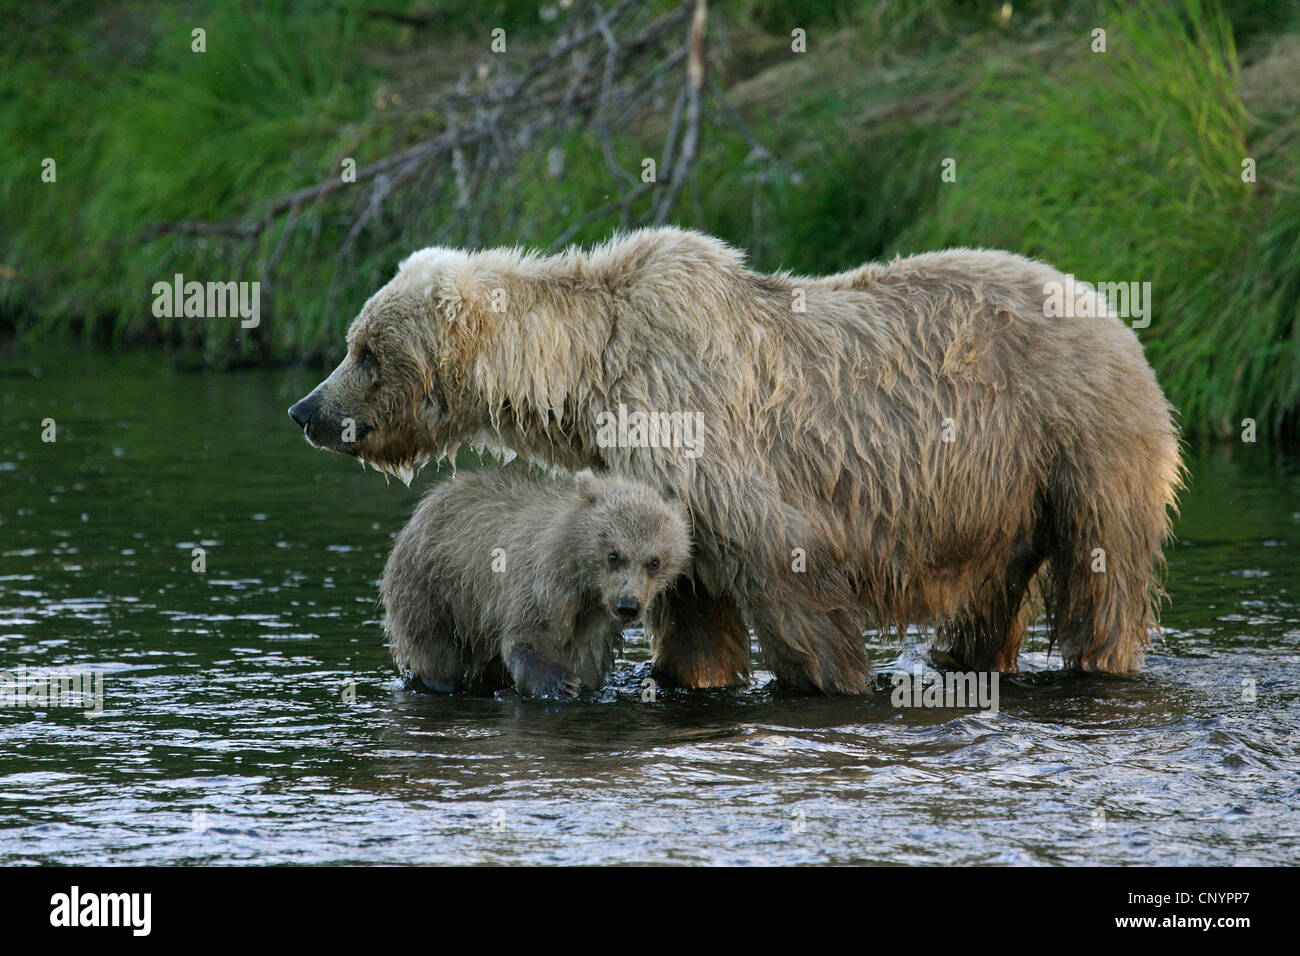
302,410
627,609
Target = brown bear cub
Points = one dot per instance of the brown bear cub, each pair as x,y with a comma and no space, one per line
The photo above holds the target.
505,577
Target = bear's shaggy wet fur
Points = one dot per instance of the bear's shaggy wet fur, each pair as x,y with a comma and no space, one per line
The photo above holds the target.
508,577
906,442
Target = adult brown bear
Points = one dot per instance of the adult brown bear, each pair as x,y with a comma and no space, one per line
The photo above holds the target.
910,441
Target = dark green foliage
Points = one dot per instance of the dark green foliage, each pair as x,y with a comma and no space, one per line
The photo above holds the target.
1117,166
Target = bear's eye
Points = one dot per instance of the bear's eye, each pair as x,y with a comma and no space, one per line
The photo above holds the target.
367,356
615,557
653,564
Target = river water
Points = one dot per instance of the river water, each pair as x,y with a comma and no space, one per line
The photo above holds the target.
250,712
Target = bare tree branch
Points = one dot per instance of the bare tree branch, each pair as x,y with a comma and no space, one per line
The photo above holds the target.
591,79
695,73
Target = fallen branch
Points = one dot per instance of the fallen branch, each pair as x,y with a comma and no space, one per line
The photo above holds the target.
590,79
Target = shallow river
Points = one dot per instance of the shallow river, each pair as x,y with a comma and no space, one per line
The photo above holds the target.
250,711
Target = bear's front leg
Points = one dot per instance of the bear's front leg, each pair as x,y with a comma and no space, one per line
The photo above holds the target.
792,586
536,676
812,646
700,640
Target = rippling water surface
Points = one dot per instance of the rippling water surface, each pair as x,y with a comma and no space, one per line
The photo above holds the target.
250,712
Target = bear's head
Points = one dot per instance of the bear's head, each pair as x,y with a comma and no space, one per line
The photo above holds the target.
627,543
385,403
453,350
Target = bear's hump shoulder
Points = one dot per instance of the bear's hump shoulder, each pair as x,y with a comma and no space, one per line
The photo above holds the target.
666,247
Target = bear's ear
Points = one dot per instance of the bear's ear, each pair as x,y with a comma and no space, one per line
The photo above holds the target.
459,297
588,485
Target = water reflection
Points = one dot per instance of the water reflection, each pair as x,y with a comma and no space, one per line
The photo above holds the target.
251,713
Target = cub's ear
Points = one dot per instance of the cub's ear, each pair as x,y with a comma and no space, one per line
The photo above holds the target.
588,485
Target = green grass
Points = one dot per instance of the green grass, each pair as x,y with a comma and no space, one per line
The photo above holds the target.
175,135
1126,166
1117,166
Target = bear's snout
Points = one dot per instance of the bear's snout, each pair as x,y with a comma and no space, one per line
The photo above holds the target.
317,417
302,410
628,608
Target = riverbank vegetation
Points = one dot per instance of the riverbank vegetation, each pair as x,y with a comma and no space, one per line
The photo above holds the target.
814,134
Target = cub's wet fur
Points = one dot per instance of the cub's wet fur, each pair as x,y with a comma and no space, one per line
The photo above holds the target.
507,577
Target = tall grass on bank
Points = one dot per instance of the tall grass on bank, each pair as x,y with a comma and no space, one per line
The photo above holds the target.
1117,166
172,134
1127,166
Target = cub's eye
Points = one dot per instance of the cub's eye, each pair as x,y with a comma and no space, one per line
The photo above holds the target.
615,557
367,356
653,564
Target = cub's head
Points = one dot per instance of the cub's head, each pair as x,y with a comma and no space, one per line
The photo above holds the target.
389,401
629,543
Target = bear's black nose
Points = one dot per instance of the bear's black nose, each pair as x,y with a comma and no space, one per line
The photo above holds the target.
627,608
301,411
